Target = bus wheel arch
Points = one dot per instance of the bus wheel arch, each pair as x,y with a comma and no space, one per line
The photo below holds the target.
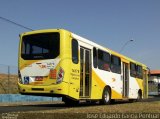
106,95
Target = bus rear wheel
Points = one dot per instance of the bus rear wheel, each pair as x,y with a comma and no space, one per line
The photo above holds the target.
139,98
106,96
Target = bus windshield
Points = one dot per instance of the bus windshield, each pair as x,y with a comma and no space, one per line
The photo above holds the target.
40,46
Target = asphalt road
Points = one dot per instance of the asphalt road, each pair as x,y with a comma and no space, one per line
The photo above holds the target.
38,107
35,107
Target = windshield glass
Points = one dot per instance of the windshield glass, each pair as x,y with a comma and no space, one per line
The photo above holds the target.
40,46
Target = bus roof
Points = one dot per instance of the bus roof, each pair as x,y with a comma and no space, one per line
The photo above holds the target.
77,37
104,48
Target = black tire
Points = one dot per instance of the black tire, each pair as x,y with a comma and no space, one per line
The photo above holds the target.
106,97
139,98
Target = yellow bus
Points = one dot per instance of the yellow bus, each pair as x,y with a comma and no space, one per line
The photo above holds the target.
59,63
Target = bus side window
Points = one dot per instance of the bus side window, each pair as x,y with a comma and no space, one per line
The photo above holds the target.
139,72
115,64
74,51
103,60
133,68
95,57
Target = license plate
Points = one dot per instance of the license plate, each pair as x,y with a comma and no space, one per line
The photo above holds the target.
39,78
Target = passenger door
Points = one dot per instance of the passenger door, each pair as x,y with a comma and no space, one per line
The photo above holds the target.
85,72
125,78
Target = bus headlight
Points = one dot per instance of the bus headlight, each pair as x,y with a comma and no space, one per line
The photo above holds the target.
60,76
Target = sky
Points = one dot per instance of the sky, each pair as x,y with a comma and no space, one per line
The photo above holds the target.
111,23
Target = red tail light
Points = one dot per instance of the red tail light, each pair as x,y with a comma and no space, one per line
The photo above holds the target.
60,75
38,78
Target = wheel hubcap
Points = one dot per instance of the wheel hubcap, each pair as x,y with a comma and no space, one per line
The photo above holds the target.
106,96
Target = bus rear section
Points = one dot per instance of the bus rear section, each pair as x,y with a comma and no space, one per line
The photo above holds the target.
42,63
